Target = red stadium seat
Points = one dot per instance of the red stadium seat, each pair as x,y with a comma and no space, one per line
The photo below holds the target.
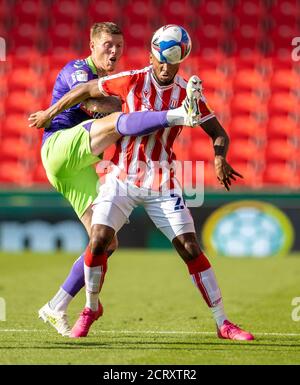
27,79
64,36
100,11
32,12
137,37
22,102
58,58
252,174
249,80
68,11
51,78
15,172
281,175
17,125
255,62
246,127
282,150
39,174
249,104
249,11
285,80
215,81
28,35
141,12
283,127
284,103
29,59
282,36
242,150
212,12
3,87
201,149
178,12
209,38
17,149
285,12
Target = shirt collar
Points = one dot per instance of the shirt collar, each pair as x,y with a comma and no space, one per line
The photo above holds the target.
91,64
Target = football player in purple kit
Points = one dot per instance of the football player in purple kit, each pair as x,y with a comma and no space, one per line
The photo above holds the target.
66,153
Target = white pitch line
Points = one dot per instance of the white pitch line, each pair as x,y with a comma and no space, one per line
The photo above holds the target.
148,332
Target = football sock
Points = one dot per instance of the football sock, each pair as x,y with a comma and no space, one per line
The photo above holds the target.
75,279
95,267
204,279
142,122
175,117
72,285
60,301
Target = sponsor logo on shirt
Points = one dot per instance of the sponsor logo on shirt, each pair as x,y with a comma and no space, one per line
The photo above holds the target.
79,76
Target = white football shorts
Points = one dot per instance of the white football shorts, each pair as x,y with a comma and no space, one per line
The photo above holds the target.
117,199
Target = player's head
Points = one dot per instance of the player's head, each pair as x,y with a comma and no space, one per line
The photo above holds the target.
106,43
170,45
164,73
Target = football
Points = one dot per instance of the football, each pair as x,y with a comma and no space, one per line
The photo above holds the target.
171,44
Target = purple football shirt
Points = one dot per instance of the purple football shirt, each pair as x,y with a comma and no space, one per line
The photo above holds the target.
74,73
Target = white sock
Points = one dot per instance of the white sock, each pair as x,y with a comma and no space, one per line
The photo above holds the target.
175,117
210,286
92,300
92,276
60,301
219,314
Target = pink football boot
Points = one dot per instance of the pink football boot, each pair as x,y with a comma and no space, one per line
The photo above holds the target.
85,320
232,332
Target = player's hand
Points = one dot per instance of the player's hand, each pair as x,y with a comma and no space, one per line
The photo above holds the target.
39,119
225,173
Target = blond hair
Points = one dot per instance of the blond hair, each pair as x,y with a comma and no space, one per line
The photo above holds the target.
105,27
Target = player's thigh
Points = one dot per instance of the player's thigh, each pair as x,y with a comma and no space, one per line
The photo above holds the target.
103,133
80,190
170,215
113,205
67,151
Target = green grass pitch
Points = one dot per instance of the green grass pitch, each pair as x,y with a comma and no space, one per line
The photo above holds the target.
152,312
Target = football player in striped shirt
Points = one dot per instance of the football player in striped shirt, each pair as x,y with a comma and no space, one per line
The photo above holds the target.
133,179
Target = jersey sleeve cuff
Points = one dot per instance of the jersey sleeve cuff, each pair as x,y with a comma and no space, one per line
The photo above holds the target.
101,89
207,117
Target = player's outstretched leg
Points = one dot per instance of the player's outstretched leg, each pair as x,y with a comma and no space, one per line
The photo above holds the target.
106,131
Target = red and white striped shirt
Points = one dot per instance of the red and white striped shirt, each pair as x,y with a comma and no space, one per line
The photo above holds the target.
145,160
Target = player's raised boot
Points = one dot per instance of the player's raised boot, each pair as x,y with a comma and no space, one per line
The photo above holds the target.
57,319
191,102
85,321
231,331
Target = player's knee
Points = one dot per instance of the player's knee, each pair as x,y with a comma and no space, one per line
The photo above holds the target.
100,239
114,244
191,249
187,247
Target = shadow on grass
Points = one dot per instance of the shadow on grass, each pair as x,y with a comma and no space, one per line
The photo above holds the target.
125,344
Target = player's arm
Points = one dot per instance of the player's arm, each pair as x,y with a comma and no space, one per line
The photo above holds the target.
225,173
74,96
